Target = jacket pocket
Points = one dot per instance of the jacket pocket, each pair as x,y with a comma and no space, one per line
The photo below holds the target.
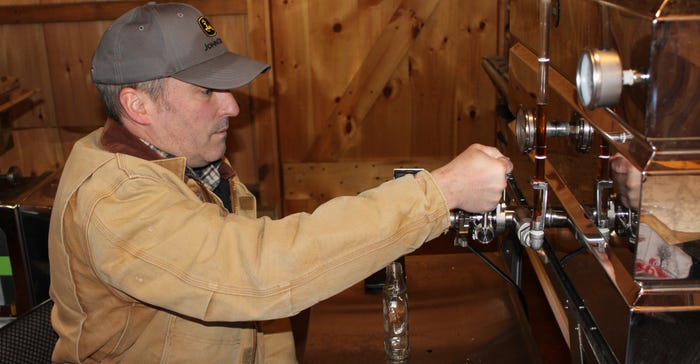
190,341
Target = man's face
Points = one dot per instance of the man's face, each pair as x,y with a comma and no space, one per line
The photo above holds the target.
193,121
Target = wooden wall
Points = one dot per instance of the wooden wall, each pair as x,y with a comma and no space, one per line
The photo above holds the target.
367,85
357,86
48,45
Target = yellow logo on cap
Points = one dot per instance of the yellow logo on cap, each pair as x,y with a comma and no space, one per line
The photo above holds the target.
207,28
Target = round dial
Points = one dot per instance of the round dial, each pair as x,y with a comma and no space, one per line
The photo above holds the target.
599,78
584,79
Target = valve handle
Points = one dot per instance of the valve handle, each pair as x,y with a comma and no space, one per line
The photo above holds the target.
484,232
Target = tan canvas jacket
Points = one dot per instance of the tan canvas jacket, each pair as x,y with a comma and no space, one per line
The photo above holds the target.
145,270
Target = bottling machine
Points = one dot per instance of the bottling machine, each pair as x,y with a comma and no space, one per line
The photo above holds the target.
600,116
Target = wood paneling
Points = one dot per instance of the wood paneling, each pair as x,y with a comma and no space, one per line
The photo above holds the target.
358,80
48,45
308,185
76,101
263,111
34,151
374,81
23,55
51,11
342,128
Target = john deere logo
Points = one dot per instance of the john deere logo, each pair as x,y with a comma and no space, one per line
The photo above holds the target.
207,28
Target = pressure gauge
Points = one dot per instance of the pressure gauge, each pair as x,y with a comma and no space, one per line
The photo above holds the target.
599,78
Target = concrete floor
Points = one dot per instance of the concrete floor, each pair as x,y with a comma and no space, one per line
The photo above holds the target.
460,311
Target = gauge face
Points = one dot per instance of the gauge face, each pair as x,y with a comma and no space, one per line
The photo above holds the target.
585,82
599,78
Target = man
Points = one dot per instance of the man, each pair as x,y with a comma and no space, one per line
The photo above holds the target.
156,253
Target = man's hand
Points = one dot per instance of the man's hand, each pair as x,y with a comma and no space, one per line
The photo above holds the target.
628,180
475,179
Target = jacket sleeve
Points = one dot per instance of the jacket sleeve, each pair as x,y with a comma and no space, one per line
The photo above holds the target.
155,242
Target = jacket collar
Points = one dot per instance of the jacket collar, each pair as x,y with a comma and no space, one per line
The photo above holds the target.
117,139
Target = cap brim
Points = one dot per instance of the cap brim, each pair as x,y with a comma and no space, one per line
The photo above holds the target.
225,72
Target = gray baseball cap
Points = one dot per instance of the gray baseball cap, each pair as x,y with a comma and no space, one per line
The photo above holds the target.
169,40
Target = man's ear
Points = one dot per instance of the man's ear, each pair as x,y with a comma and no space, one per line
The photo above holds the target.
134,104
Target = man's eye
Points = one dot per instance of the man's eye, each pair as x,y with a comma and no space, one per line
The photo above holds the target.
208,91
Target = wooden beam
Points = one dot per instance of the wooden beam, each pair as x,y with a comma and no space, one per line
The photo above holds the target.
95,11
8,84
550,293
311,184
374,73
15,98
262,92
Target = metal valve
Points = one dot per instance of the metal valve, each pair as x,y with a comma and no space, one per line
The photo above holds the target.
483,231
481,227
626,220
484,227
463,222
477,226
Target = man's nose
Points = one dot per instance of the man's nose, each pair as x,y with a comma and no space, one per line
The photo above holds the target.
229,106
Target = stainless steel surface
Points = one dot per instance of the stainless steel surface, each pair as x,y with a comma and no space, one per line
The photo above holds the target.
658,38
635,268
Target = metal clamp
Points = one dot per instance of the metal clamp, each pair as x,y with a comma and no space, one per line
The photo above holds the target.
578,129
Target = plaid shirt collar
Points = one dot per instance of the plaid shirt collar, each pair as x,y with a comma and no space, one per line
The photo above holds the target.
208,175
